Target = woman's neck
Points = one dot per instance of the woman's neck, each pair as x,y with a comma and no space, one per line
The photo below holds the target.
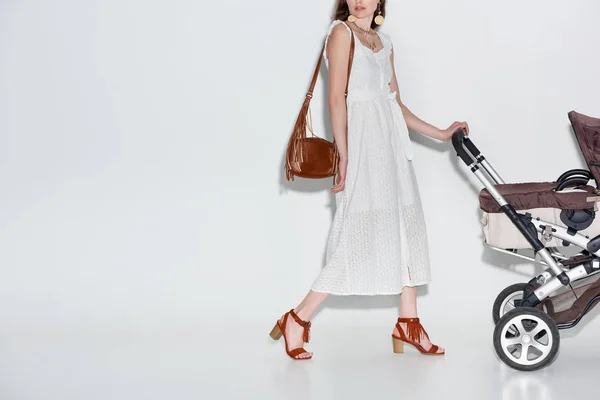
365,23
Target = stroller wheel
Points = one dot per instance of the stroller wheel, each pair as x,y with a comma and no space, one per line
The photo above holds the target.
507,300
526,339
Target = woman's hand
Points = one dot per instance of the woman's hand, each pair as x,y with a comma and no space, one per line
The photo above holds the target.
447,134
341,175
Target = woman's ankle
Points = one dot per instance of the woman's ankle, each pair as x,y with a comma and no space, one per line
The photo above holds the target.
412,314
303,313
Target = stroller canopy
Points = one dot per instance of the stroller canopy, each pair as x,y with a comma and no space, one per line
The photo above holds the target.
587,132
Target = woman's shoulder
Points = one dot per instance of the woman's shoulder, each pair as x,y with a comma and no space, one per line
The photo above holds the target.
338,33
339,27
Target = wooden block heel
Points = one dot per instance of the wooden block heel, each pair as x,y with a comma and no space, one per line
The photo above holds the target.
276,332
398,346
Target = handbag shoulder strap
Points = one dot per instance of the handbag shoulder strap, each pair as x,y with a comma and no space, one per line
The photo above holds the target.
316,73
294,150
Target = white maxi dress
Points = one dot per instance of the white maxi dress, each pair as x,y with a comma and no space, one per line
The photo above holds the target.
378,240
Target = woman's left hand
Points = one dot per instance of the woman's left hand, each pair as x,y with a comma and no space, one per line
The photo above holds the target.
447,134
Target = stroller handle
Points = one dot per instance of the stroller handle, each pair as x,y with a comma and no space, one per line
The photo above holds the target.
462,143
460,140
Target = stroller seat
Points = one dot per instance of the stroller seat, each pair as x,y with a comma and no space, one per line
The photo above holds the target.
524,196
570,201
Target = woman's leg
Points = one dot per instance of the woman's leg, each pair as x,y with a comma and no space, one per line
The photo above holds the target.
305,311
408,302
408,309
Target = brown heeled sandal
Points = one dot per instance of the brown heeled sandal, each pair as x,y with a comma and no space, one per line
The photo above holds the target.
279,330
415,332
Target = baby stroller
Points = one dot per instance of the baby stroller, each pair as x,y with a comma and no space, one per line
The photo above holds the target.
552,224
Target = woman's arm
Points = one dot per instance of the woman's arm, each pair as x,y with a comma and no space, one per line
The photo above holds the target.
418,125
338,48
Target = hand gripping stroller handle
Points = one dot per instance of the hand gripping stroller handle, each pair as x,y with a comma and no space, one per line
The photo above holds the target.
460,141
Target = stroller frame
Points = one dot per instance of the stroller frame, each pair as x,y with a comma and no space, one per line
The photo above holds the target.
561,271
528,316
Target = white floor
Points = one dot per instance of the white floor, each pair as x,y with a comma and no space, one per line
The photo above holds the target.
215,361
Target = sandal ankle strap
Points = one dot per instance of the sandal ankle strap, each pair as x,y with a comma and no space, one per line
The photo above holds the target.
408,320
305,324
414,329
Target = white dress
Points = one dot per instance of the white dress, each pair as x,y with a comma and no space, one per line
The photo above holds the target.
378,239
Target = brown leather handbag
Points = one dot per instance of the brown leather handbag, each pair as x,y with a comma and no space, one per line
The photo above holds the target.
313,157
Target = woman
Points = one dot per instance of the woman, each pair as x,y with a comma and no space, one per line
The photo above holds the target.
378,242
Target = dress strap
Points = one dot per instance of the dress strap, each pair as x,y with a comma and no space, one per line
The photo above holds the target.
386,40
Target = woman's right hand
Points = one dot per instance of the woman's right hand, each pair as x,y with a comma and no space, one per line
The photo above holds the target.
341,175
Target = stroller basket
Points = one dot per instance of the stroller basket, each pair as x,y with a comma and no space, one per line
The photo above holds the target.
568,305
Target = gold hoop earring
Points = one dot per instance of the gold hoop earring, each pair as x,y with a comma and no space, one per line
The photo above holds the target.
379,20
351,18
